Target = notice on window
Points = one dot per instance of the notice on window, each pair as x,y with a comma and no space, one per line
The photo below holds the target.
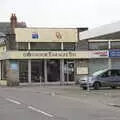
14,66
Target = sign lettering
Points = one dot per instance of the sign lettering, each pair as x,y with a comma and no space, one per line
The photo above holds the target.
98,54
50,54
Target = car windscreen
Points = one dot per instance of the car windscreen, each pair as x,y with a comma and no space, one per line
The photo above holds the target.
98,72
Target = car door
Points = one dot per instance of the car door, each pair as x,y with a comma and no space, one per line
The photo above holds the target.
105,78
115,77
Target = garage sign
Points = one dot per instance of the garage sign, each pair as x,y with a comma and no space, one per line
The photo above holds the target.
114,53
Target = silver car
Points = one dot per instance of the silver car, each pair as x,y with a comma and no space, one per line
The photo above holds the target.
102,78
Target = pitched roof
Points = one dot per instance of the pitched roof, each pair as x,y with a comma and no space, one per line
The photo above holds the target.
5,27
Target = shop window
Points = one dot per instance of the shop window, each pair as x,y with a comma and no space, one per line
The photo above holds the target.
115,63
97,65
115,45
98,45
23,71
69,46
22,46
45,46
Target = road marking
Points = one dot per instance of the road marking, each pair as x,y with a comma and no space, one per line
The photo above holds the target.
13,101
38,110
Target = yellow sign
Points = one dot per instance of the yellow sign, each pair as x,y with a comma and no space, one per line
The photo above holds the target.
46,35
48,54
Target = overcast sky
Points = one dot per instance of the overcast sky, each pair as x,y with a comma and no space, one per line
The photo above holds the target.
62,13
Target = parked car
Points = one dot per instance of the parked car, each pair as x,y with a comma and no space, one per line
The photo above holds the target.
102,78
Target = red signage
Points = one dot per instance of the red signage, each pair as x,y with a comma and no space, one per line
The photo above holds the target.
98,54
101,53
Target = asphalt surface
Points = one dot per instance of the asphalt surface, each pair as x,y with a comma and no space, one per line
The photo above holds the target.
38,103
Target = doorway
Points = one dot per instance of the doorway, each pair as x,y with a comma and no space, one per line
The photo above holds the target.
69,70
53,70
37,71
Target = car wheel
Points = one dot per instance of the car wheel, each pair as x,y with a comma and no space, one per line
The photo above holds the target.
113,87
97,86
84,88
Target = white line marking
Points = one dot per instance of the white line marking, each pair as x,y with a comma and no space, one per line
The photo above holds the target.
13,101
38,110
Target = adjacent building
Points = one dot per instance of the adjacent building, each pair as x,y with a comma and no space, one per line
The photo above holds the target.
104,44
45,55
